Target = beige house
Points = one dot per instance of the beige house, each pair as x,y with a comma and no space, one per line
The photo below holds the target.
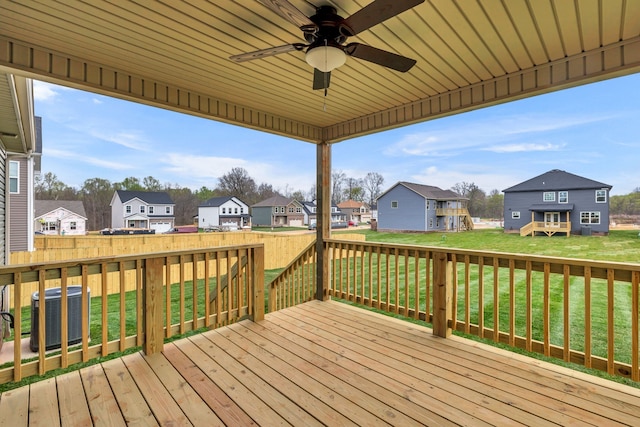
355,211
60,217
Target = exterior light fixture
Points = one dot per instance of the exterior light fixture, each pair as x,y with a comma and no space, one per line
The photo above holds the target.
325,58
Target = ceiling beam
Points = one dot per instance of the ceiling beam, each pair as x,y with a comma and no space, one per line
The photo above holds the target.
611,61
47,65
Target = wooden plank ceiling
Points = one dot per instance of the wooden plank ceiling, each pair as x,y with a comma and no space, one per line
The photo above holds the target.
175,54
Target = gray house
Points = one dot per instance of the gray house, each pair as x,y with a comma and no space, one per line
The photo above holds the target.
152,210
557,202
415,207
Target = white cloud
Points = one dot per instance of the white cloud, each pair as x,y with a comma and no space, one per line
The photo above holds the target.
44,92
489,134
527,147
205,170
81,158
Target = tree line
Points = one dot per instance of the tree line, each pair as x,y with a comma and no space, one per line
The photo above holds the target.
97,193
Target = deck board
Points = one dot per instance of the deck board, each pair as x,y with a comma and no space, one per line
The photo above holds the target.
323,363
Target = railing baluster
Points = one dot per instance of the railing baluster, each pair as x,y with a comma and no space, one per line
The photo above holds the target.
123,321
546,312
587,316
207,290
566,351
529,311
454,295
512,303
496,300
105,319
467,294
64,323
416,284
17,328
139,307
610,322
481,296
378,278
181,295
635,325
194,291
41,321
396,281
167,298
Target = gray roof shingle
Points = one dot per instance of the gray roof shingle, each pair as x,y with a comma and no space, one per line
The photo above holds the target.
42,207
554,180
150,197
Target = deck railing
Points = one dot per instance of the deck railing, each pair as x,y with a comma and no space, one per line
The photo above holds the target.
581,311
548,228
296,283
172,295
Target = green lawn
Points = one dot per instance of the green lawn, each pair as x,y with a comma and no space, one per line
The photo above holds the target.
623,246
620,246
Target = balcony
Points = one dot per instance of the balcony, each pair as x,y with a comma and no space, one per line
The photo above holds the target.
313,362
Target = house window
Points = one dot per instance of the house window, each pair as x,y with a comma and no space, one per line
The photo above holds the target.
150,209
132,224
563,197
142,209
127,209
291,209
14,177
51,226
430,222
313,210
298,210
601,196
235,210
515,215
549,196
224,210
589,217
73,225
167,210
394,204
241,210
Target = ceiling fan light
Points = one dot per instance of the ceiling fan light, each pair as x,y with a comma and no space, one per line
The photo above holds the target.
325,58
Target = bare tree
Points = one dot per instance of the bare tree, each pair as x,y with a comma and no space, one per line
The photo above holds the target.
337,179
372,184
49,187
238,183
476,196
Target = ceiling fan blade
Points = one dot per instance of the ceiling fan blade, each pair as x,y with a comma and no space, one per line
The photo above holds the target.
289,12
376,12
267,52
380,57
320,79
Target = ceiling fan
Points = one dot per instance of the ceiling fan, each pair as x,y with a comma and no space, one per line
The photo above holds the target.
326,33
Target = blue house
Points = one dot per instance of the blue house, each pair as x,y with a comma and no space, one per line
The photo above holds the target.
557,202
415,207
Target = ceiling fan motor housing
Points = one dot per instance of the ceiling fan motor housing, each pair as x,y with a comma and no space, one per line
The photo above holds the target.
329,29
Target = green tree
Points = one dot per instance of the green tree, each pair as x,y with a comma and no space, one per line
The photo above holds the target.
151,184
129,184
494,207
49,187
96,195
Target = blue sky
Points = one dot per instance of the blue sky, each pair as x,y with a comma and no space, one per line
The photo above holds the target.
592,131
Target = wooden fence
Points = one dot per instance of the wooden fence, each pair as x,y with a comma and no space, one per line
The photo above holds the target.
279,248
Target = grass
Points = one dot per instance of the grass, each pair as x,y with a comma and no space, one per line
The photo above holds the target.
619,245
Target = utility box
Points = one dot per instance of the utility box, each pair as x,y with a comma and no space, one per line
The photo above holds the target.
586,230
53,314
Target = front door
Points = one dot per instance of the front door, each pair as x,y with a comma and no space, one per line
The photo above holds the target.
552,219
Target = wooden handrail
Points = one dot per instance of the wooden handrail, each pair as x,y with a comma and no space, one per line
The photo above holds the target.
516,289
154,302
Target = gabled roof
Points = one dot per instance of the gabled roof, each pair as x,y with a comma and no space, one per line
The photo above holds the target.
219,201
350,204
557,179
427,191
43,207
150,197
276,200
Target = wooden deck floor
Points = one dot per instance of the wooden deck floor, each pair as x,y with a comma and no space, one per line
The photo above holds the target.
322,364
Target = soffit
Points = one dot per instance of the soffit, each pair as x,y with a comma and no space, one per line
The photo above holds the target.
175,55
